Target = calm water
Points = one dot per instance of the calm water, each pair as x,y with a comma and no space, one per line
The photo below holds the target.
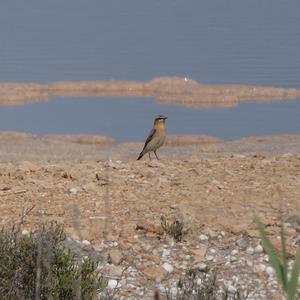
129,119
249,42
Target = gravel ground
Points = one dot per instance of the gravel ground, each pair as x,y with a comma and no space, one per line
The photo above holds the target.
111,207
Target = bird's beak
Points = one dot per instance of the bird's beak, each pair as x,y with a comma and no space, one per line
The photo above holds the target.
165,118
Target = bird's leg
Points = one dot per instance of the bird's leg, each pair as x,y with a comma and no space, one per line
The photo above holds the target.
156,155
149,155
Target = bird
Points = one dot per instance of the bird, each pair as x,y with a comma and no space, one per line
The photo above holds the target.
156,137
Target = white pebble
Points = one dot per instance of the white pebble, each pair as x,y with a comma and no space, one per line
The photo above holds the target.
112,283
203,237
73,190
169,268
173,292
209,257
25,232
202,266
249,263
122,282
250,250
231,289
234,252
269,271
108,163
166,252
266,258
261,268
258,249
86,242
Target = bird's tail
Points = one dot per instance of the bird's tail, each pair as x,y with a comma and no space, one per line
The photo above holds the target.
141,155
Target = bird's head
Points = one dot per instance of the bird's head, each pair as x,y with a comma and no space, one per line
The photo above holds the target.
160,119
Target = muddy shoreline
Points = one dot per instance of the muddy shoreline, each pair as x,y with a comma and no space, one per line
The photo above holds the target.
171,90
18,146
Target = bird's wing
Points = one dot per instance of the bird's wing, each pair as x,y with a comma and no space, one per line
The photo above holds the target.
149,138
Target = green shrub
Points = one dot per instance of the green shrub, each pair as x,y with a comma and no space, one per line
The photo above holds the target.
279,263
38,266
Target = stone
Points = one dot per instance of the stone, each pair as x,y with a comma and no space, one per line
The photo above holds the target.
242,243
253,233
124,245
155,272
250,250
290,250
201,266
25,232
211,233
115,256
112,237
234,252
166,252
149,227
147,247
173,292
73,190
249,263
115,271
203,238
231,289
209,257
86,243
294,221
27,166
269,271
199,254
153,258
169,268
296,241
259,268
258,249
4,187
290,232
112,284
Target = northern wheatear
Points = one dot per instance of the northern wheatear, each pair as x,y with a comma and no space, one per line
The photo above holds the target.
156,137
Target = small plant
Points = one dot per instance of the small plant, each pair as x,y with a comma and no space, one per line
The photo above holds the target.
198,285
38,266
279,263
233,296
174,228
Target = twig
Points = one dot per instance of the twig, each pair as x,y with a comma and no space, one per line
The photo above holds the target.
2,193
25,213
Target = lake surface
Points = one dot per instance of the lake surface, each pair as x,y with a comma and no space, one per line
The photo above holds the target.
254,42
131,119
